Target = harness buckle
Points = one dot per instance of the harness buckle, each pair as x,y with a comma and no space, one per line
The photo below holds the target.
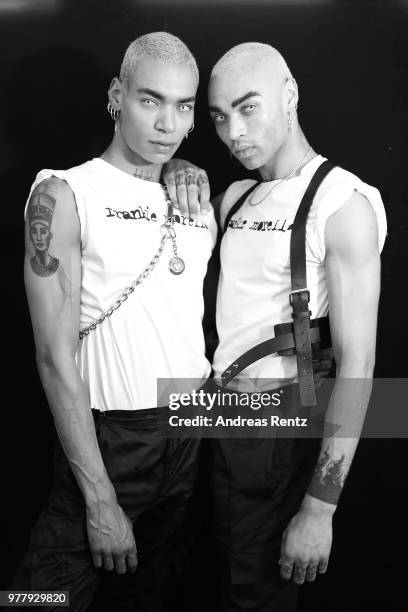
299,291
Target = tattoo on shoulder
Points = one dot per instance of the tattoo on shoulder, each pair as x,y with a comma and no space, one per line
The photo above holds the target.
328,479
40,213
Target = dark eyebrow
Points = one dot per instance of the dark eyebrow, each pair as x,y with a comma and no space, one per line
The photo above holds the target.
250,94
160,96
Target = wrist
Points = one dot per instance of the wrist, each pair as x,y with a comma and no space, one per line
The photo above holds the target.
318,507
100,493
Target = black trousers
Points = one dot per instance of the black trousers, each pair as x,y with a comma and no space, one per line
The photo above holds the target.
258,485
154,479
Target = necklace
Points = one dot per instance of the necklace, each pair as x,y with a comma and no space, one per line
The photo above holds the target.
176,266
283,180
176,263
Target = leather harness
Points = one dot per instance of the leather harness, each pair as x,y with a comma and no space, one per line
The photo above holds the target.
304,336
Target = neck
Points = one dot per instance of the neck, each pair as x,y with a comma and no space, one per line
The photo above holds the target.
287,157
118,154
43,257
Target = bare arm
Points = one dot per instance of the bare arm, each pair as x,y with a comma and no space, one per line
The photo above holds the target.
52,272
353,278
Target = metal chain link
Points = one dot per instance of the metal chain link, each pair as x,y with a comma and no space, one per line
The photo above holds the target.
168,232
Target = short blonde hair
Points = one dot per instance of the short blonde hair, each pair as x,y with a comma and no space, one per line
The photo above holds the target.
252,51
158,45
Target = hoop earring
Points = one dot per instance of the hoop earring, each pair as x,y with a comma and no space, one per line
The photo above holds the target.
190,130
113,113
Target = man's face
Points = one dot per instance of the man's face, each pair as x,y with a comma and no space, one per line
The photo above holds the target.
247,106
40,236
157,108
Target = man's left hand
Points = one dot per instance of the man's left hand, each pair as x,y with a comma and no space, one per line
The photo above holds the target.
306,545
188,187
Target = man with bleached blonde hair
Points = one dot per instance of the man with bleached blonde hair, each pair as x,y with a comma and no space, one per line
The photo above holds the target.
109,319
275,499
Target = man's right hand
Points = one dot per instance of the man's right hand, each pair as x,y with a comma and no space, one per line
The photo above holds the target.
111,538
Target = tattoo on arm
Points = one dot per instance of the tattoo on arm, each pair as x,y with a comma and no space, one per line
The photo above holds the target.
40,213
328,478
145,175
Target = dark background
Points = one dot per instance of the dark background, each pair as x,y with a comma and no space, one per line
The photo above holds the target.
350,59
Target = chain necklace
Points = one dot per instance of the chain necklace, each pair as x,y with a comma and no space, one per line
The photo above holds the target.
283,180
176,266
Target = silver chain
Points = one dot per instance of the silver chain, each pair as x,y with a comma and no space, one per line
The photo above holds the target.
168,232
280,181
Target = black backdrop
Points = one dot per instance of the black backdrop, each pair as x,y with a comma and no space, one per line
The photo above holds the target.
350,59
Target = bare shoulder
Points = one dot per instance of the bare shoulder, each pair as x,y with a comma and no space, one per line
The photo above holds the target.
52,205
52,228
53,190
352,228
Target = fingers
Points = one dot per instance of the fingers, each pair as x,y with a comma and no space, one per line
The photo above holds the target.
97,559
131,560
108,563
204,193
192,194
286,569
172,191
299,574
181,188
189,191
311,573
120,563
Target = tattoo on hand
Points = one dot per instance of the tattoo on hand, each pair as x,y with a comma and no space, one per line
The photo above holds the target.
328,478
180,179
40,213
202,180
191,179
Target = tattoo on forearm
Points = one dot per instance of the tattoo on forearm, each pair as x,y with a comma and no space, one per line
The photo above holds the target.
328,478
145,175
40,213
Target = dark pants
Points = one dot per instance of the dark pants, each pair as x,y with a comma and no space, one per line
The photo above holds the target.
258,485
154,481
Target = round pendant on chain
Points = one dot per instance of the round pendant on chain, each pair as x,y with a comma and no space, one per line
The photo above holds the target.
176,265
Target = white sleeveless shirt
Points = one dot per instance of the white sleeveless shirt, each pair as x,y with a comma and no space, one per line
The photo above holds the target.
157,332
253,292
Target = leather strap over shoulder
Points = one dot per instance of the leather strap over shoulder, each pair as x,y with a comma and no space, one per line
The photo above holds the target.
299,337
235,207
300,295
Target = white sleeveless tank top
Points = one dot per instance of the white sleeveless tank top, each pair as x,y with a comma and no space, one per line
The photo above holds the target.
253,292
157,332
